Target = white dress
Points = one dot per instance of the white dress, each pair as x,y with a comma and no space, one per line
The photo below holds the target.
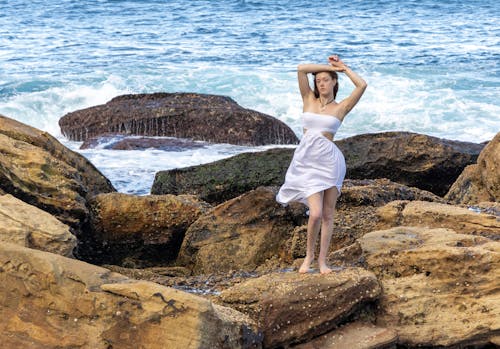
317,163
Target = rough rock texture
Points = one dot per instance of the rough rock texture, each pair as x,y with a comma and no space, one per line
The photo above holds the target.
481,181
356,335
356,211
240,234
37,169
209,118
439,215
439,288
139,230
225,179
412,159
292,307
29,226
49,301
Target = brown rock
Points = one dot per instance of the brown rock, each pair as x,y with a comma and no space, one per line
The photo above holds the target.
209,118
37,169
357,335
481,181
439,288
356,211
29,226
412,159
293,307
48,301
119,142
140,230
439,215
240,234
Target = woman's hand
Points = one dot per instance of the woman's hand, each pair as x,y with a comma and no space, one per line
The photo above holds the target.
336,63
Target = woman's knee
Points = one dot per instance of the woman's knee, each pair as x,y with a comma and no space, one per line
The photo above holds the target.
315,216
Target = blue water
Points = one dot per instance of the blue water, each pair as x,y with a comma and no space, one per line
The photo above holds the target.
432,66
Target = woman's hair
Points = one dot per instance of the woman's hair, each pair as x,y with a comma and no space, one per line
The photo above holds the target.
334,75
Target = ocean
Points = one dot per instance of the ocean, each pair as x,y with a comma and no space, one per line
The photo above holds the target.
432,66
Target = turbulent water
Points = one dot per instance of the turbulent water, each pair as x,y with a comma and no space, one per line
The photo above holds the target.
432,66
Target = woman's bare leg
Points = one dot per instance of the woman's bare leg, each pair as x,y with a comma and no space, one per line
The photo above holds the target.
315,202
329,201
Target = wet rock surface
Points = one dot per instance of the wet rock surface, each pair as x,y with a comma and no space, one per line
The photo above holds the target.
119,142
209,118
225,179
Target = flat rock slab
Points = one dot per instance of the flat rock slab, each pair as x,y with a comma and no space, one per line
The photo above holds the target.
357,335
201,117
49,301
293,307
439,215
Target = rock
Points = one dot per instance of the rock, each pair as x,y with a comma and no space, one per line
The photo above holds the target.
439,288
31,227
201,117
226,179
357,335
240,234
120,142
415,160
292,307
49,301
481,181
439,215
139,230
356,211
37,169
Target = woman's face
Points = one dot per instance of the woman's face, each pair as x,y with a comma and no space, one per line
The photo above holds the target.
325,83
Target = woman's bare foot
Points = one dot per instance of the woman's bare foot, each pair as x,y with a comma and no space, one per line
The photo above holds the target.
304,268
324,269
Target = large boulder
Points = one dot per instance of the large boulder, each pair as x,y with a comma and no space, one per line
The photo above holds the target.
49,301
481,181
240,234
293,307
31,227
39,170
416,160
139,230
225,179
209,118
411,159
438,215
439,288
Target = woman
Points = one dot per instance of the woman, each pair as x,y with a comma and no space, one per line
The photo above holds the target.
317,169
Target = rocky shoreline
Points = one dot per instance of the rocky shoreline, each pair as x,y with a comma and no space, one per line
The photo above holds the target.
209,259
